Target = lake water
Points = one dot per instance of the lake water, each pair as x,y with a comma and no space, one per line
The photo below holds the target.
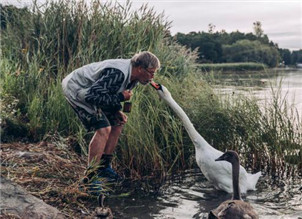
287,83
192,196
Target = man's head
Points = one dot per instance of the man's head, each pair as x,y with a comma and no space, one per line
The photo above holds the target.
144,64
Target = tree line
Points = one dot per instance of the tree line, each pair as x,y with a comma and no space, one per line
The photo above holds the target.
223,47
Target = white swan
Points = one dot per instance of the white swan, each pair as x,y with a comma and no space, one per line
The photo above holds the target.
218,173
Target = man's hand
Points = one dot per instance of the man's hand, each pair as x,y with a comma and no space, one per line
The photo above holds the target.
122,118
127,94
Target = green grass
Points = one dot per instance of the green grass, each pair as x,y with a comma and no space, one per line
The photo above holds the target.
155,141
61,36
40,48
241,67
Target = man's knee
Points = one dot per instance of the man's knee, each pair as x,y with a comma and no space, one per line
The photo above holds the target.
117,128
104,131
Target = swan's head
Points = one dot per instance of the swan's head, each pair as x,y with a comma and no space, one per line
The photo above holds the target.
161,90
230,156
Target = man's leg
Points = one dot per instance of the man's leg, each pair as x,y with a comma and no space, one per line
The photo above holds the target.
96,149
105,169
98,144
113,139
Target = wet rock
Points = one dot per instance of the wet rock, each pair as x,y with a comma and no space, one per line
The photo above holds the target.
16,201
102,211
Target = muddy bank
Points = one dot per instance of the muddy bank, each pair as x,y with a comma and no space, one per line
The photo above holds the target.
50,172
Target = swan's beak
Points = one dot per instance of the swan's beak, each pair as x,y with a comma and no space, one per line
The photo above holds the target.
155,85
220,158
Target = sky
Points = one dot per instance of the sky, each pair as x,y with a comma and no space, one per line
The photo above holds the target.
281,19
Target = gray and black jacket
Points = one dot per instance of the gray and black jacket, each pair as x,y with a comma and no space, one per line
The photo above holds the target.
99,85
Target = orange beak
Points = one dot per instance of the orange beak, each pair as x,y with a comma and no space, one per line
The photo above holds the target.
155,85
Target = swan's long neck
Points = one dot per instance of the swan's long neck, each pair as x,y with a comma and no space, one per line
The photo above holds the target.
235,175
194,135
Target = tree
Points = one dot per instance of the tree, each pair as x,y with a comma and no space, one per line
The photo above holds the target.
258,29
285,56
251,51
218,47
211,28
209,48
297,56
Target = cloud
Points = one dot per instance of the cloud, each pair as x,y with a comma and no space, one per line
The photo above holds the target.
281,20
283,17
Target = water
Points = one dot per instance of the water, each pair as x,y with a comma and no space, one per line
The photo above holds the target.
287,83
192,196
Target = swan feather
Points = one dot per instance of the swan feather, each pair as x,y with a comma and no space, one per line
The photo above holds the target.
218,173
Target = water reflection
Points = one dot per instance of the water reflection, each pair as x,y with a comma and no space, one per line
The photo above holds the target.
285,83
192,196
269,202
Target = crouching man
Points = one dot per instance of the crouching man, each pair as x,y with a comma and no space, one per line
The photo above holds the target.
95,92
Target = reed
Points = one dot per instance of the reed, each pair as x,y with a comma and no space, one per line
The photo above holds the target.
155,141
42,45
60,36
152,140
267,134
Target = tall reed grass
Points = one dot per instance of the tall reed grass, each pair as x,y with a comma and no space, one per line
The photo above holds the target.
43,44
267,135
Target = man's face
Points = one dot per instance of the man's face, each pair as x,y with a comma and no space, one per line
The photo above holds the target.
146,75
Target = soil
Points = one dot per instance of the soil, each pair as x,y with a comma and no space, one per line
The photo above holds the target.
51,172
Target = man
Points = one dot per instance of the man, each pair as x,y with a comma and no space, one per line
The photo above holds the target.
95,92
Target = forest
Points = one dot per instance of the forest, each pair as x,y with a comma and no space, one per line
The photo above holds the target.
222,47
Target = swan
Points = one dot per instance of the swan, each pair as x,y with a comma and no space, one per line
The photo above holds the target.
235,208
218,173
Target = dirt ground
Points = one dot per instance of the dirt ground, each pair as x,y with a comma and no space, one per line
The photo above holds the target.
51,172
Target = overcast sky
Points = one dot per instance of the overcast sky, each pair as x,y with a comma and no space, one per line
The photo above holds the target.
281,20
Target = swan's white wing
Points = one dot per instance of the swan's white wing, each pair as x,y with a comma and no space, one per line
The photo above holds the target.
219,173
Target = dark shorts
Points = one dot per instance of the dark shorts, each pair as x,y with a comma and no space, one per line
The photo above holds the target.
96,121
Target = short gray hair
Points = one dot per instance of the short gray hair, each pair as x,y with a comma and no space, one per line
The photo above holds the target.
145,59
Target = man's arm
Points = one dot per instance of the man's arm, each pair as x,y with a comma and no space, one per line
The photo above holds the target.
103,93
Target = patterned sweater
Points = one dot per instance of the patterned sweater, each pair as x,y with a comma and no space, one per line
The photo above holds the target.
99,85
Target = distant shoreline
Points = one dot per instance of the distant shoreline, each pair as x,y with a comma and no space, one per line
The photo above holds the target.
240,67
